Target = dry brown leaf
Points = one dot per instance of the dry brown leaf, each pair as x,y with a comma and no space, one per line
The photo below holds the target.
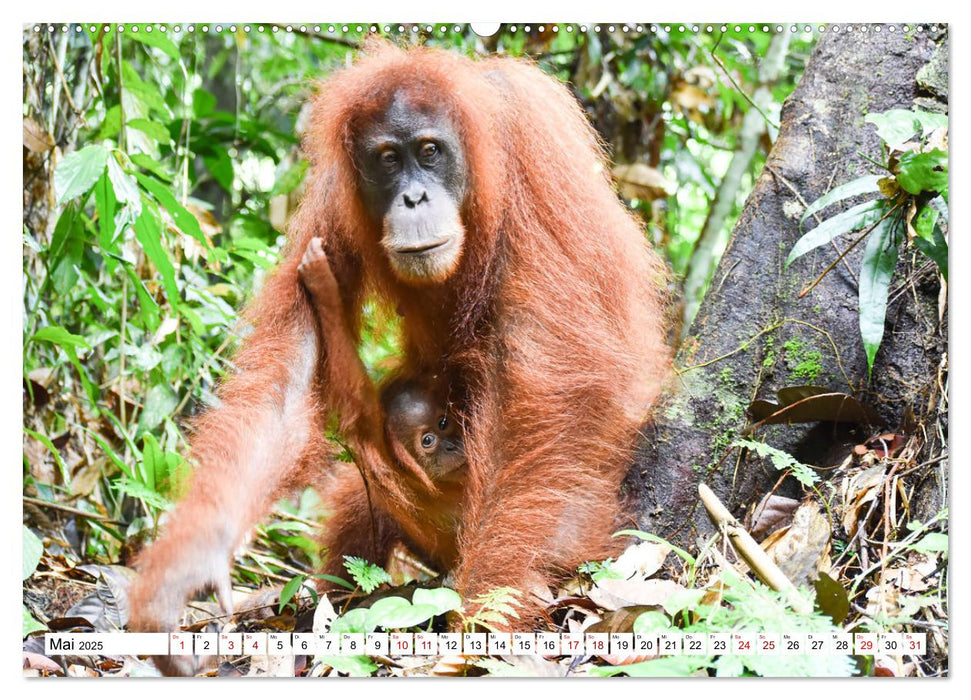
772,513
641,559
449,666
858,490
613,594
36,138
802,549
640,181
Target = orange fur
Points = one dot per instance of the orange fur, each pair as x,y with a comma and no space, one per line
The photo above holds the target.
550,334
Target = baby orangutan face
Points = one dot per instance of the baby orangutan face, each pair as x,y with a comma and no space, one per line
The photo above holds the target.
418,418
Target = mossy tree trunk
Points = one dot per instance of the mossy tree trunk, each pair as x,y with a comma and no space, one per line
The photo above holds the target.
753,335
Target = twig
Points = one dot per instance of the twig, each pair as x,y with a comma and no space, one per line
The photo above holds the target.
69,509
749,550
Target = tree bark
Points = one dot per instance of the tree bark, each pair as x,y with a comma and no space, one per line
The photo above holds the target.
753,335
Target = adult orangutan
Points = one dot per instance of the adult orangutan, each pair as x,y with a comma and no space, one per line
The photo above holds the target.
473,198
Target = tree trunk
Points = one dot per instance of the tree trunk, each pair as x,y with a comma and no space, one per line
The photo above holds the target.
753,335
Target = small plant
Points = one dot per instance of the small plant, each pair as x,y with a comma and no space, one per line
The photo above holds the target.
366,575
493,608
910,208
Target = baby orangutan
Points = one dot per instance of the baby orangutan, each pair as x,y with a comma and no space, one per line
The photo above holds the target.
420,434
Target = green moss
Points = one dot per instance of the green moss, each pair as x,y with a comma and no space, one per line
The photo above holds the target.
805,364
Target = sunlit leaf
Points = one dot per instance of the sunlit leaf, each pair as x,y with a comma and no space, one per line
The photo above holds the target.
77,173
876,271
33,549
148,230
863,185
154,39
186,222
853,219
923,172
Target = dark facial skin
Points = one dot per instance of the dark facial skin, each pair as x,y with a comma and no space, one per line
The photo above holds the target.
418,419
413,181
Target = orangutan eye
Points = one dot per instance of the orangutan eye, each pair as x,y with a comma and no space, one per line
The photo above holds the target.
388,157
428,151
427,440
443,422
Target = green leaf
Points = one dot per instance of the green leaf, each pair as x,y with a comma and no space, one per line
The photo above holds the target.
931,543
366,575
895,126
155,39
923,172
146,93
111,124
354,666
30,625
853,219
78,171
124,187
290,589
46,442
394,612
221,166
144,492
863,185
443,600
352,622
203,103
148,231
935,248
186,222
154,129
33,549
62,337
106,204
651,622
876,271
145,161
67,249
159,404
782,461
291,179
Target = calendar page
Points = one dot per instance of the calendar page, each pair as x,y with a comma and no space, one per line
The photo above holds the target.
539,349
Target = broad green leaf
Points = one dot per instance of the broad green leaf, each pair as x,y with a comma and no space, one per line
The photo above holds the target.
853,219
111,124
78,171
442,600
895,126
155,38
186,222
352,622
923,172
61,336
33,549
929,121
124,187
159,404
146,93
203,103
65,231
154,129
221,166
863,185
876,271
397,613
931,543
141,491
148,231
